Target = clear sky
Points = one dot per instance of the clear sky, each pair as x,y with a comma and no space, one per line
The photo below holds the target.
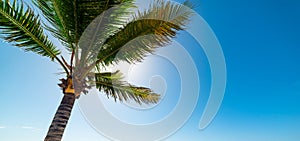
261,44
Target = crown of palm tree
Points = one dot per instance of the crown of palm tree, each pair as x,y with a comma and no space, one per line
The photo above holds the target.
68,20
97,33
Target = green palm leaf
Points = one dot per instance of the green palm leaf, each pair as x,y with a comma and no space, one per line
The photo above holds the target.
161,23
113,86
69,18
89,10
60,14
23,29
105,25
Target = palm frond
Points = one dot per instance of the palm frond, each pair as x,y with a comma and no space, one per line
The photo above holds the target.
105,25
153,28
113,86
88,10
70,18
22,28
60,14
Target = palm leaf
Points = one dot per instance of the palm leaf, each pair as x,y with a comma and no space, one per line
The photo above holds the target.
161,22
23,29
69,18
60,14
103,26
113,86
88,10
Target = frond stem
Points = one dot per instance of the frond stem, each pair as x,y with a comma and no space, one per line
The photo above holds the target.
71,62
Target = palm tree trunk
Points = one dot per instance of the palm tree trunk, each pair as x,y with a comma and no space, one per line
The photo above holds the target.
61,118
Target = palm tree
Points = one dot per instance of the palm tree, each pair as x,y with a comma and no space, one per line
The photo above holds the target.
67,20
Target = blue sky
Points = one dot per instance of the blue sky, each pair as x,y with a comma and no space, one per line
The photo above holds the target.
260,41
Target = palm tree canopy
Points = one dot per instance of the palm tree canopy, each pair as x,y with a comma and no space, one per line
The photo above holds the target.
69,19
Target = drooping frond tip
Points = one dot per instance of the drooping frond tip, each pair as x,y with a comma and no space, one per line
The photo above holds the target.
113,86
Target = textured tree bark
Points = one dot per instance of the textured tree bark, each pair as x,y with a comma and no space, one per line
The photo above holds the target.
61,118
